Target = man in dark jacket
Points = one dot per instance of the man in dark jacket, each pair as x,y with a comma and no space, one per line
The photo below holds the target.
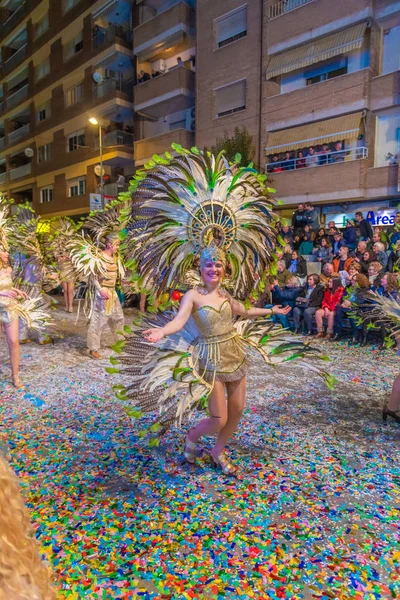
299,219
364,226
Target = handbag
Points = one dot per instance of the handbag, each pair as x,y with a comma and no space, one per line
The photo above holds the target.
302,302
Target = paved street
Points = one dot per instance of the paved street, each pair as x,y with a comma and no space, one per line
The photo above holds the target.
314,513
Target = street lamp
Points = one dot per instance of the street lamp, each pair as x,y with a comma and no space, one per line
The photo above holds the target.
94,121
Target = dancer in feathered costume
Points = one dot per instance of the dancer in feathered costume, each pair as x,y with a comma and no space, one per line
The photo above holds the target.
34,276
15,305
62,231
99,263
192,205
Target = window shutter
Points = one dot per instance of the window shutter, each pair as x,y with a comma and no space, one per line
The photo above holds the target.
231,27
230,98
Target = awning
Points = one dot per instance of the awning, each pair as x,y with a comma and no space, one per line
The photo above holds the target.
309,54
346,127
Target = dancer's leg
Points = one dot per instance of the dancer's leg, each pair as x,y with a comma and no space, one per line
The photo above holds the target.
13,348
394,402
236,404
96,325
70,295
142,303
217,410
116,320
65,293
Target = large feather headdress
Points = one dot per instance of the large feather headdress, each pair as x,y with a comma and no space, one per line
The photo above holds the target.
182,205
109,222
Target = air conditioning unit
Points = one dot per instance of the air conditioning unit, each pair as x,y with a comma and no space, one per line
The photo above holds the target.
193,112
192,125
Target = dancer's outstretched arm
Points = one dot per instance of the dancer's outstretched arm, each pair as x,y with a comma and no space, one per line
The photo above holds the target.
156,334
251,313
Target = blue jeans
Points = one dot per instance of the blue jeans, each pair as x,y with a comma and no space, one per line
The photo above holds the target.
280,319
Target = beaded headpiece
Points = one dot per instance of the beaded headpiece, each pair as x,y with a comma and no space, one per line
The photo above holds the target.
212,252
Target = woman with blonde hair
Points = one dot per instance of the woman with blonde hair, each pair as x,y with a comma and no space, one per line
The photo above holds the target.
23,576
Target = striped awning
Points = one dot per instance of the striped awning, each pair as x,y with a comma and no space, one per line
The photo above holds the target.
322,49
346,127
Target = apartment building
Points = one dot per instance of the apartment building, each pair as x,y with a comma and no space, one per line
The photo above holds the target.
332,82
62,63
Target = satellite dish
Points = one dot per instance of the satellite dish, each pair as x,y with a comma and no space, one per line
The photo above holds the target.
29,152
97,77
99,171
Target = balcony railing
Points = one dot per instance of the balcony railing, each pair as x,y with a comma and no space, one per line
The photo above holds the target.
284,6
13,18
117,138
17,134
103,36
2,143
21,171
3,177
16,58
111,85
17,96
317,160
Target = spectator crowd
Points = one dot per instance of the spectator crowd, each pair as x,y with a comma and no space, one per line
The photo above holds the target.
325,273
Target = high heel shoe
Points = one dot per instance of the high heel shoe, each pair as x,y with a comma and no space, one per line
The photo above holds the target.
390,413
223,463
189,451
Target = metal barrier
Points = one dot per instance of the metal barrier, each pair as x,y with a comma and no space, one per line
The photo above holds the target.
317,160
284,6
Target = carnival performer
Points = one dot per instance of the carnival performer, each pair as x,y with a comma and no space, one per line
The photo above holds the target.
34,276
186,206
62,231
14,303
99,262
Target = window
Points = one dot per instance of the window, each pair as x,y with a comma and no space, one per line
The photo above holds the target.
387,139
231,27
75,141
325,76
74,95
76,187
44,153
43,69
73,46
41,26
47,194
391,50
43,112
230,98
68,4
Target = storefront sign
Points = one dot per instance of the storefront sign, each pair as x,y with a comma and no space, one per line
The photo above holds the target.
381,217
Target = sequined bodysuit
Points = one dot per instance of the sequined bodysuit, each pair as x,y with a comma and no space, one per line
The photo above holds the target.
7,305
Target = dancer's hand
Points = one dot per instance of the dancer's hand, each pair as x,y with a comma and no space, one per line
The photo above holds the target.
104,295
20,293
279,310
154,335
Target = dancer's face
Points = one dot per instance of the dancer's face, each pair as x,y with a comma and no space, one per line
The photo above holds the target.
4,257
213,272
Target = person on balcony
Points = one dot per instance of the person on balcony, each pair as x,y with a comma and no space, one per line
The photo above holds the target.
312,158
143,76
288,163
275,166
324,156
338,155
301,160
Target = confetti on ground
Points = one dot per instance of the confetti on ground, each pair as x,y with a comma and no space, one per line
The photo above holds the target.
315,512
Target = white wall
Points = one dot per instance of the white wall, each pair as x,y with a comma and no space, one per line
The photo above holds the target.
391,50
387,137
163,125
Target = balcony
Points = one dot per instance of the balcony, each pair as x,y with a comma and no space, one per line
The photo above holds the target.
117,138
276,9
2,143
110,86
113,33
21,171
18,134
16,59
13,19
168,93
169,27
17,97
385,91
3,177
336,182
383,181
144,149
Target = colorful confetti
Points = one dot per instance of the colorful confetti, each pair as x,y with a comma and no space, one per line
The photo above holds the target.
315,512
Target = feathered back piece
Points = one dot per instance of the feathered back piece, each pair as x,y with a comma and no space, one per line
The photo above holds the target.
182,205
111,221
61,231
24,233
4,225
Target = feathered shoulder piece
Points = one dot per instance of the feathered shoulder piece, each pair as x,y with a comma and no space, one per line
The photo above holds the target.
24,232
113,220
184,204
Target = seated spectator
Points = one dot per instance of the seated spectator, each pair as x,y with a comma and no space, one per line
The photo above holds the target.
332,231
298,265
343,261
143,76
308,302
375,275
368,257
286,296
275,166
323,253
394,235
337,243
306,246
324,156
394,258
353,269
286,232
287,254
283,275
301,161
350,235
320,235
338,155
288,163
360,250
359,284
296,242
311,158
327,273
381,256
331,299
